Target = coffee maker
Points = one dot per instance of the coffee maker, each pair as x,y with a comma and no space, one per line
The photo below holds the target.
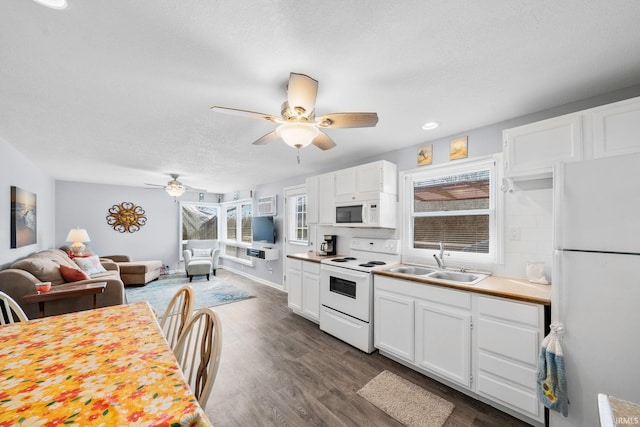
328,245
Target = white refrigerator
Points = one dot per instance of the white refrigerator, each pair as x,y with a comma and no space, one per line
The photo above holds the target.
596,282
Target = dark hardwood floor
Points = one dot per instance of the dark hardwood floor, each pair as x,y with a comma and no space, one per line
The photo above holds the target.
279,369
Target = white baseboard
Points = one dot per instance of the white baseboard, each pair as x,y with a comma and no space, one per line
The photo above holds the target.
254,278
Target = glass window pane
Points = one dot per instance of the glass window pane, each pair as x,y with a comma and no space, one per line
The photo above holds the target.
246,223
199,222
462,233
467,191
232,224
299,228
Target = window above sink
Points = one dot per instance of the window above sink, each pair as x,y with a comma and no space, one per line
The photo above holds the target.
456,204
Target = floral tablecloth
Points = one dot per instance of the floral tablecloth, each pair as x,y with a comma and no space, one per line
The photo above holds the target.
105,367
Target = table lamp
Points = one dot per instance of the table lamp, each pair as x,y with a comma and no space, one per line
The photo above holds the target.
78,236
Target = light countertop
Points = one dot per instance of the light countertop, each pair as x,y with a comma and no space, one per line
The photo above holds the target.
513,288
517,289
312,256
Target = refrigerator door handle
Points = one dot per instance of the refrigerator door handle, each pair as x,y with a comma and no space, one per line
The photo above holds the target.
558,194
556,288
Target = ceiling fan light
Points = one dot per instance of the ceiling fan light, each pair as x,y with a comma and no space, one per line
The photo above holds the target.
175,189
297,135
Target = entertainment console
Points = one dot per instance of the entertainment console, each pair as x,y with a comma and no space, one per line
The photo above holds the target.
266,254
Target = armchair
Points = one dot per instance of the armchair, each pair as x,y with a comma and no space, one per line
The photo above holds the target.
201,257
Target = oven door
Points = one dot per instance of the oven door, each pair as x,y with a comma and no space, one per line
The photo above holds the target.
347,291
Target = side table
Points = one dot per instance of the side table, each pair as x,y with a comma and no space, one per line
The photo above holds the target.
65,291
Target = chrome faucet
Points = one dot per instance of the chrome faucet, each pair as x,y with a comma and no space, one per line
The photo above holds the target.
440,259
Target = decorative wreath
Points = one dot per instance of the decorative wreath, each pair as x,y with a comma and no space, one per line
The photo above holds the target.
126,217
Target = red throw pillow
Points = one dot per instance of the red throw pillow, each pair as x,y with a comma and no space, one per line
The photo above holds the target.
70,274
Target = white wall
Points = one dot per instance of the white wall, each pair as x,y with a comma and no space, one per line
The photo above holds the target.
17,170
86,205
64,205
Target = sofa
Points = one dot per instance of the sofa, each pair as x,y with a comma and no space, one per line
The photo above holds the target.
44,266
136,272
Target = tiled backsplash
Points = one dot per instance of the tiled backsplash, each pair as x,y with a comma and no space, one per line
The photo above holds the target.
528,231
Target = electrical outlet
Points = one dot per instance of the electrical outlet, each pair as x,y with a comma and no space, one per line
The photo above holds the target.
514,233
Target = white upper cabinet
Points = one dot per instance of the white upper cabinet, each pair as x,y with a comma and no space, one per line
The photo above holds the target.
609,130
616,128
321,199
531,150
366,181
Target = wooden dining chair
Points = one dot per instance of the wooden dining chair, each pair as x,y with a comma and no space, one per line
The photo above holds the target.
10,310
177,314
198,352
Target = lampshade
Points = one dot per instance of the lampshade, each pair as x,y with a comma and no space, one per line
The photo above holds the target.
175,189
78,235
297,135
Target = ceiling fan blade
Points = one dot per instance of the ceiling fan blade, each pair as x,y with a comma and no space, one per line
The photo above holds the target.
323,142
156,185
301,94
244,113
347,120
267,139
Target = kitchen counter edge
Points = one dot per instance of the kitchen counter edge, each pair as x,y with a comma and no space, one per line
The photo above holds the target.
516,289
312,256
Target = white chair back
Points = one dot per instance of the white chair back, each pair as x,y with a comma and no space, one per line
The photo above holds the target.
10,310
177,314
198,352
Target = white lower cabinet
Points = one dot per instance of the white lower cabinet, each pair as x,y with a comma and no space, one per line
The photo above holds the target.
509,334
485,345
394,320
443,341
427,326
303,284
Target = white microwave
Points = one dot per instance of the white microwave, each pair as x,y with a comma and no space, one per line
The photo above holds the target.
377,213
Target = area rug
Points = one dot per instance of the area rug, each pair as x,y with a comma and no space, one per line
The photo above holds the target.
406,402
216,291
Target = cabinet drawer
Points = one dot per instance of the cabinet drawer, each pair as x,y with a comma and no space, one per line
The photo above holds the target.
514,372
434,293
524,401
311,267
512,341
294,264
511,311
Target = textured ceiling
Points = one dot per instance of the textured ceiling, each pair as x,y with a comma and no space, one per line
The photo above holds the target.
120,92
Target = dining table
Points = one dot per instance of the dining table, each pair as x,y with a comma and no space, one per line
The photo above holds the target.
110,366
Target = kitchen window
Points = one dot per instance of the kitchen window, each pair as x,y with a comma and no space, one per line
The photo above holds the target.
455,205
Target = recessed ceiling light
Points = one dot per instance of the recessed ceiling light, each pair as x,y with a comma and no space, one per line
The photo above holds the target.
53,4
430,125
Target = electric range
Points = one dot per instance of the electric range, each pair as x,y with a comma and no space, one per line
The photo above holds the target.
346,290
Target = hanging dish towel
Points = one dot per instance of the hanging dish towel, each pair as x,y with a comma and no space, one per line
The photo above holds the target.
552,381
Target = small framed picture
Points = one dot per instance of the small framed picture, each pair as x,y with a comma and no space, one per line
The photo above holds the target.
458,148
425,155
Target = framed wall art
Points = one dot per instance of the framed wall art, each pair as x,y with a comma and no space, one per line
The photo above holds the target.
126,217
23,218
425,155
458,148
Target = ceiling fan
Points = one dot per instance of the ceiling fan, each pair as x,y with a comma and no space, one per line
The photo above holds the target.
175,188
298,126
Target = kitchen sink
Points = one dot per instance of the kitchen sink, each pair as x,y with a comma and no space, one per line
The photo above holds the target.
458,277
412,270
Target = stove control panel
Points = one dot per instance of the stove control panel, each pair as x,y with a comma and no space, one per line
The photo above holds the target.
384,246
